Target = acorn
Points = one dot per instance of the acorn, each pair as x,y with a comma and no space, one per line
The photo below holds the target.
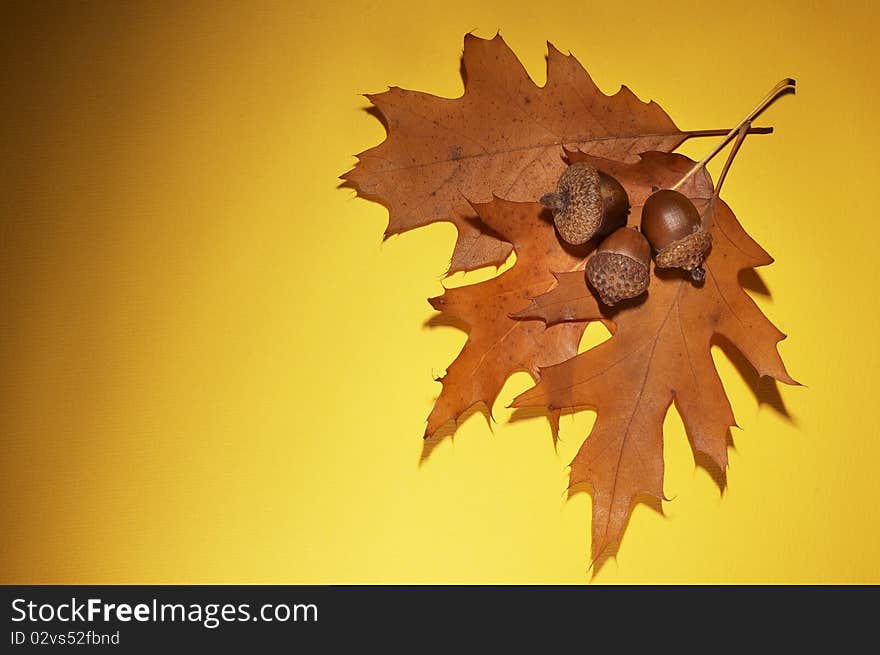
675,231
587,203
619,269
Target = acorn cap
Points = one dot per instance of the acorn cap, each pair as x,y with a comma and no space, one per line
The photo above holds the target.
667,217
620,267
587,202
687,253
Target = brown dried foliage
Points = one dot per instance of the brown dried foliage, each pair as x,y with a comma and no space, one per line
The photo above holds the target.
497,344
659,354
504,136
482,161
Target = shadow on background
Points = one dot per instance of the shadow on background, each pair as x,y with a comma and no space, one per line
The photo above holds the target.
703,461
764,388
429,444
611,549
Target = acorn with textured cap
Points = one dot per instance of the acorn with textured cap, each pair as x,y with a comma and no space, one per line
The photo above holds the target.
620,267
587,203
674,228
670,220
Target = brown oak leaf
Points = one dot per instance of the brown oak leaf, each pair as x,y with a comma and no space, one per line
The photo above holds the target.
659,354
497,344
503,137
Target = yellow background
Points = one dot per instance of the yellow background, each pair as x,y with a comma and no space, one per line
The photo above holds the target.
213,370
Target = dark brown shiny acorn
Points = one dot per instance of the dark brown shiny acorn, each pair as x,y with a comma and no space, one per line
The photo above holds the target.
675,230
619,269
587,203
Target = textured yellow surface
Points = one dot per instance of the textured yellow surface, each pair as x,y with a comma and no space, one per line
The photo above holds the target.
212,370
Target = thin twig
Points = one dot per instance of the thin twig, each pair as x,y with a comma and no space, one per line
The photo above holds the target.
736,145
783,85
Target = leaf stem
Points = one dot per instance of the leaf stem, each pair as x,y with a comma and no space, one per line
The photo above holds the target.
783,85
693,134
698,274
736,145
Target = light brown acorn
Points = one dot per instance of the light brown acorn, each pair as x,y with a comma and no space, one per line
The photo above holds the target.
587,203
674,229
620,267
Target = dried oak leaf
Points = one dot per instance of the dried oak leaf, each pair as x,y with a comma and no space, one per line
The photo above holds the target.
497,345
503,137
659,354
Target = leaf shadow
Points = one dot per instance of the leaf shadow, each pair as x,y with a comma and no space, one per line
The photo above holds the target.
529,413
374,111
442,319
365,195
484,229
429,444
710,466
351,184
463,72
764,388
750,280
612,548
